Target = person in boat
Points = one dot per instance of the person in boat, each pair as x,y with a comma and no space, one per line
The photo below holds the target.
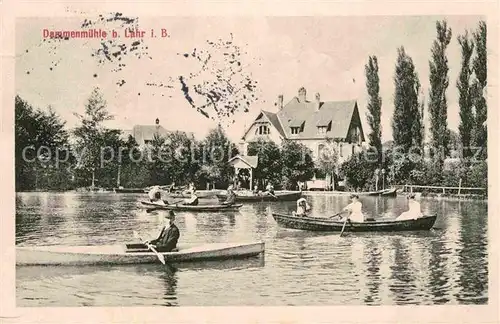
270,189
231,196
354,209
302,207
414,210
193,200
256,190
155,195
169,236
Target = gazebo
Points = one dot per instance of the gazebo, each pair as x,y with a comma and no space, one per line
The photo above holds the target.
248,162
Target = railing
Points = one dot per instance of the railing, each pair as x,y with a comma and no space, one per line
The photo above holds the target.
459,189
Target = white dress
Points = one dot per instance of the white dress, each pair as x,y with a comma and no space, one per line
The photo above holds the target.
413,212
356,215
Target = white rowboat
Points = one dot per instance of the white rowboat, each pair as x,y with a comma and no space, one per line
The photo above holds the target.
119,254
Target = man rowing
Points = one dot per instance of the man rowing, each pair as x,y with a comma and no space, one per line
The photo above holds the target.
169,236
354,210
414,210
231,196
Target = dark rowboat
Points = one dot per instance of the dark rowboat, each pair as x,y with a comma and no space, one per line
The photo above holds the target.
200,208
278,196
129,254
328,224
129,190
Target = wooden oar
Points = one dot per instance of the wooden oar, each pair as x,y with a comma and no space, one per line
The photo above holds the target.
337,214
343,227
160,256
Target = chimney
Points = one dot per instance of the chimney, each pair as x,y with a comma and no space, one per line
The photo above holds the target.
280,102
157,122
302,94
318,101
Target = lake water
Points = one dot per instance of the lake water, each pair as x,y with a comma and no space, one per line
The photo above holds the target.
447,265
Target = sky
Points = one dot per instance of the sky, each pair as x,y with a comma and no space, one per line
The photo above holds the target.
326,55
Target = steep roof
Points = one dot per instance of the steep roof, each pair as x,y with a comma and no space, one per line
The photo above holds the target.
148,131
250,160
338,113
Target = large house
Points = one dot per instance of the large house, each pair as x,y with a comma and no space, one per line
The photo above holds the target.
313,123
144,134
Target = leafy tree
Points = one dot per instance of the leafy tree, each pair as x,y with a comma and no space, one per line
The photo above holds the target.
297,163
179,158
358,171
91,135
42,157
327,162
480,86
437,94
466,95
374,105
406,120
215,162
269,167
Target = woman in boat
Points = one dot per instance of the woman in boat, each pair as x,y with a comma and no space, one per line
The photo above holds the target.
193,200
169,236
413,212
231,196
302,207
155,195
354,209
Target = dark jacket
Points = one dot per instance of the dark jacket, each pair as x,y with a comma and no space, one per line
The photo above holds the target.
167,240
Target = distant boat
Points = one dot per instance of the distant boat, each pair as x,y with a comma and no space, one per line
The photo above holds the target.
278,196
383,193
129,190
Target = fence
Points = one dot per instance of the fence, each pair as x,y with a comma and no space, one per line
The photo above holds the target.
451,190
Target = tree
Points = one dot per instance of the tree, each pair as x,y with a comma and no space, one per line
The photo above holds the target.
465,92
327,162
91,134
218,150
179,158
437,93
42,157
406,120
480,86
269,167
297,163
358,171
374,105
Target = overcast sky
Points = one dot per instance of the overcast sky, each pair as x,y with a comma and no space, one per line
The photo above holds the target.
323,54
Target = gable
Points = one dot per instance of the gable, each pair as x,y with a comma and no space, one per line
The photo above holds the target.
336,116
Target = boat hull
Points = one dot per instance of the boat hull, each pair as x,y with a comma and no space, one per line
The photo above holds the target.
293,196
327,224
118,254
129,190
200,208
382,193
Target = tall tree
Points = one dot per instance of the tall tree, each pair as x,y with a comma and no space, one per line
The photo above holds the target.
439,81
269,167
296,162
465,92
480,87
90,134
374,104
406,119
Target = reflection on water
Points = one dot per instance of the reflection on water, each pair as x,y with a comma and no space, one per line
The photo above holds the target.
447,265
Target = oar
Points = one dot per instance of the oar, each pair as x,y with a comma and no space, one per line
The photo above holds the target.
337,214
343,227
160,256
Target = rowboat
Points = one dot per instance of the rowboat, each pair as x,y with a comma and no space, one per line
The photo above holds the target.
129,190
328,224
201,208
278,196
131,253
382,193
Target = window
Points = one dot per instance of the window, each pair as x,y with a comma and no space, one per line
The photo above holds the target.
322,129
147,142
295,130
262,130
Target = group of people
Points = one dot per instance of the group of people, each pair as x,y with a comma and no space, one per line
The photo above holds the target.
355,213
155,196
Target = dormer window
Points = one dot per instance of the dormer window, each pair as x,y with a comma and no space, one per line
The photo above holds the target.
322,129
295,130
262,130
